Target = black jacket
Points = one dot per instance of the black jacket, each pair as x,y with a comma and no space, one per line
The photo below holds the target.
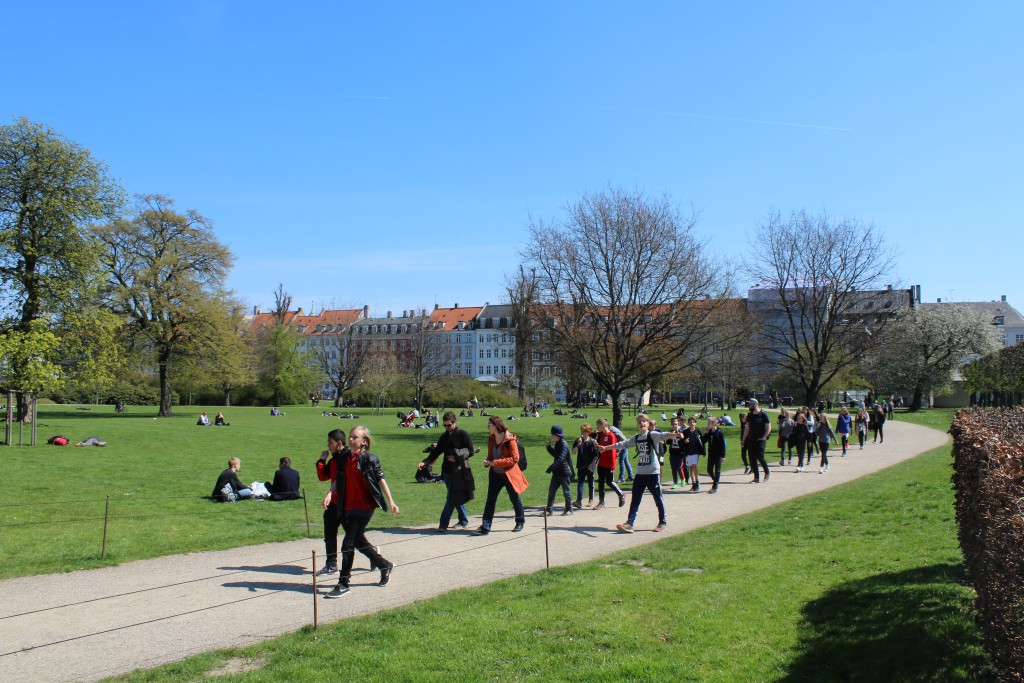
226,477
562,465
286,485
457,444
715,442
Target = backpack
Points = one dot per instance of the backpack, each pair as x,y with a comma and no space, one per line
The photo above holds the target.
522,455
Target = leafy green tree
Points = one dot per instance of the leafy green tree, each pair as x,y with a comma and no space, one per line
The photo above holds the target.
284,369
50,190
165,273
28,358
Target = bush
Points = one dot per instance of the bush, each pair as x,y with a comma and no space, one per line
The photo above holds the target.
988,476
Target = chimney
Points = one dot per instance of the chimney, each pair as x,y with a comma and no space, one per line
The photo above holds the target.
366,311
456,305
299,312
389,314
255,310
938,301
917,288
888,288
436,306
1003,298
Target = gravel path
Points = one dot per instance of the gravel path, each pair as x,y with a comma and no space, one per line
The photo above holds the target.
85,625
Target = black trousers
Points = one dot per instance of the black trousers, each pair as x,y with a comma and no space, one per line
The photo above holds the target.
714,470
355,539
331,524
755,453
606,476
559,481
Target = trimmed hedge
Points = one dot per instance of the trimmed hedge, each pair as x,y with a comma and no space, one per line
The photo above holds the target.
988,476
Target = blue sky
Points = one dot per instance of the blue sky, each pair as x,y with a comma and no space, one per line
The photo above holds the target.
393,153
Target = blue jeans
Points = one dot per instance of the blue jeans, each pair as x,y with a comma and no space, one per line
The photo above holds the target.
649,482
495,483
624,465
446,511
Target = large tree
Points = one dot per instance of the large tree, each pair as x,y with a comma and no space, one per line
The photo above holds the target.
624,287
813,300
50,190
166,275
921,349
428,357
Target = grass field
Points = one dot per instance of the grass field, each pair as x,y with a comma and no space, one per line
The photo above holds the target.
158,471
863,582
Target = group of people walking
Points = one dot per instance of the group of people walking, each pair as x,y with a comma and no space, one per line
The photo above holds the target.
358,486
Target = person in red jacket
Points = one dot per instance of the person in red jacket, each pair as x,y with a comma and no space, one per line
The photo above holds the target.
326,470
359,489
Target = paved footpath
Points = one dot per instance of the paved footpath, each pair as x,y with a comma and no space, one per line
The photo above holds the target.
85,625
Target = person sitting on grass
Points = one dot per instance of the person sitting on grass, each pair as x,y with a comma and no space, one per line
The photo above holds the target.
219,420
204,420
92,441
286,482
229,487
274,412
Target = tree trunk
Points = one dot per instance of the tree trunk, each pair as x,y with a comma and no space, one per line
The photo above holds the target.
227,398
915,402
337,398
616,408
165,387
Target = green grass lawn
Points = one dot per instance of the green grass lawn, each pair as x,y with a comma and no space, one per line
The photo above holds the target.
158,471
863,582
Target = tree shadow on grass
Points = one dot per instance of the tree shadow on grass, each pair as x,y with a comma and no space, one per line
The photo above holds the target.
914,625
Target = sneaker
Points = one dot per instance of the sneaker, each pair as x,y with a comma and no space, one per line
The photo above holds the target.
697,488
590,503
626,528
661,526
463,525
675,487
746,470
338,591
385,574
441,530
328,569
821,470
782,463
481,531
599,506
799,469
519,527
826,468
622,501
714,489
578,505
567,512
756,481
549,512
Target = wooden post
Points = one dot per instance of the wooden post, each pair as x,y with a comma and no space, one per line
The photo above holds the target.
315,605
34,412
8,416
309,534
106,517
547,553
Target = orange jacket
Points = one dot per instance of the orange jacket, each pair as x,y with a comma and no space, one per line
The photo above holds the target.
508,464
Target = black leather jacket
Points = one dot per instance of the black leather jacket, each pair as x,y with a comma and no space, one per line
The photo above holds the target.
369,465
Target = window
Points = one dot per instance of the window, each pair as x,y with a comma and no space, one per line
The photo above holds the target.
1019,338
481,354
458,339
488,353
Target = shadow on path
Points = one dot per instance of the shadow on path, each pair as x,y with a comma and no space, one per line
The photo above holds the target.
913,625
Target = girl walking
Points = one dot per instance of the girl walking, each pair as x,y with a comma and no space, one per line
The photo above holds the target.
715,441
861,422
648,471
560,470
502,463
843,428
825,437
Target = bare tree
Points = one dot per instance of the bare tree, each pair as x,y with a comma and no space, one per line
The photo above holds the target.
813,301
920,350
342,360
380,376
625,289
427,359
523,295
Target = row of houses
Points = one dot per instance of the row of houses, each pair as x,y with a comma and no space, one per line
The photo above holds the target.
480,341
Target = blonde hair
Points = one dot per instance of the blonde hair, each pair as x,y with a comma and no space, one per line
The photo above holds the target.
367,439
234,461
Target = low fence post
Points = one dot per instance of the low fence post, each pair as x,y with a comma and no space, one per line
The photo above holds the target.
309,534
106,517
315,605
547,553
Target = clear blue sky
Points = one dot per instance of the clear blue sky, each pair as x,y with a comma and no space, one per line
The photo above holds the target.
392,153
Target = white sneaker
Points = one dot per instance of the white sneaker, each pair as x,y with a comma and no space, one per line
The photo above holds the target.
821,470
799,469
826,468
